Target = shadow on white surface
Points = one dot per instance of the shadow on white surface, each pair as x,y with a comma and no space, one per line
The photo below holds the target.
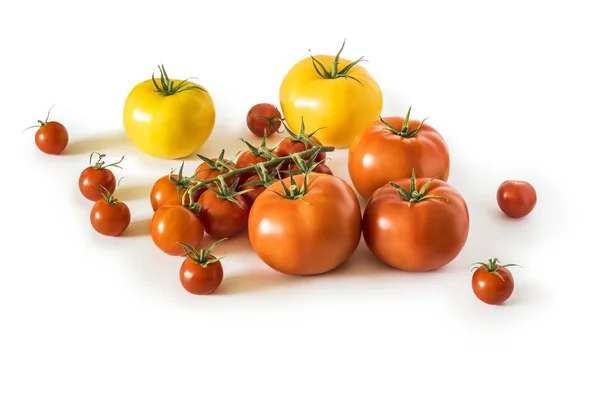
134,192
137,228
111,143
252,281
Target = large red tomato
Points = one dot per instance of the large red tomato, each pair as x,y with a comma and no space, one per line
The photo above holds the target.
312,229
416,224
390,148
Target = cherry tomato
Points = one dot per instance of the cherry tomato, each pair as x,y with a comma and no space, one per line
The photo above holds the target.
291,145
109,216
212,168
254,190
390,148
263,119
201,273
171,190
51,137
516,198
98,176
246,159
224,213
306,228
416,224
320,168
492,283
172,224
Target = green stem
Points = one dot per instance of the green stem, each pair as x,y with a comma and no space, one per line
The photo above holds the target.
415,195
403,131
335,72
275,161
167,86
202,257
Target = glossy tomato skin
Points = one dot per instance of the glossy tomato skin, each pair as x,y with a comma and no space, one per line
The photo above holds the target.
251,196
168,127
110,219
200,280
288,146
516,198
171,224
165,192
52,138
490,288
261,126
247,159
342,107
90,177
378,155
307,237
222,218
423,236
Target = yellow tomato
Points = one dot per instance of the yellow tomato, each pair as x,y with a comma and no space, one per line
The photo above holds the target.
336,97
167,118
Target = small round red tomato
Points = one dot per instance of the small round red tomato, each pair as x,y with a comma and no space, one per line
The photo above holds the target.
213,167
263,119
253,190
305,224
201,273
224,213
172,190
172,224
109,216
298,144
516,198
51,137
98,176
416,224
319,168
492,283
390,148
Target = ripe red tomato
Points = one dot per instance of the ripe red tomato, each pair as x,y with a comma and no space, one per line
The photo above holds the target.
390,148
291,145
172,224
416,224
224,214
320,168
98,176
213,167
172,190
51,137
312,229
253,190
492,283
201,273
109,216
516,198
263,119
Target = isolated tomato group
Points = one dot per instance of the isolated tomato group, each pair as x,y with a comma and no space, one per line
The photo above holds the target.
301,219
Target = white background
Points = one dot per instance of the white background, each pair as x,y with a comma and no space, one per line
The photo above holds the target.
512,86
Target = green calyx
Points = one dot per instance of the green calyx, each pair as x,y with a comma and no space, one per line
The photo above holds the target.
492,266
39,121
335,71
101,164
167,86
261,151
294,192
202,257
404,132
302,136
225,192
415,195
107,196
220,164
180,181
